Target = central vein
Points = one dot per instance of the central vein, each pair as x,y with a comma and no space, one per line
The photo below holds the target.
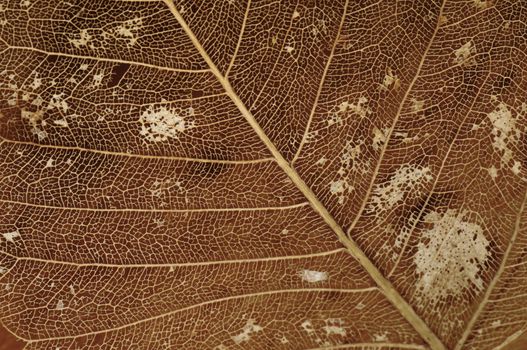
384,285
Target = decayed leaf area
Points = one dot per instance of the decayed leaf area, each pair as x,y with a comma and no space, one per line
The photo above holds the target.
263,174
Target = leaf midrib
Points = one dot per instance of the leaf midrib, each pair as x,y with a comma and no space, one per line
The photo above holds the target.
384,285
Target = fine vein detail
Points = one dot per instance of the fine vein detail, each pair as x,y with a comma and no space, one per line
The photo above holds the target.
174,265
386,287
153,210
495,279
209,302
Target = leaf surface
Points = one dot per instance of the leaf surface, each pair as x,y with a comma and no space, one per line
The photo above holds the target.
263,175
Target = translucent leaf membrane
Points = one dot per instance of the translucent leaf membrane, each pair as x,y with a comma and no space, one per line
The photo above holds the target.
263,175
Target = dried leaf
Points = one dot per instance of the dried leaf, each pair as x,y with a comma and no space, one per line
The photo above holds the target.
238,174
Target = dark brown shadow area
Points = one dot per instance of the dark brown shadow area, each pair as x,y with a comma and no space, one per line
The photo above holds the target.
8,341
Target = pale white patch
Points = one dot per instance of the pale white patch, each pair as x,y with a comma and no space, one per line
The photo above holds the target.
37,101
481,4
308,327
495,324
83,66
160,123
404,137
60,305
312,276
161,187
61,122
506,134
400,135
97,79
321,161
464,55
36,123
128,29
390,80
25,96
2,270
417,105
37,82
81,39
344,108
334,118
360,306
318,27
379,138
284,340
49,163
360,108
504,130
57,101
285,231
296,14
72,289
380,337
339,188
516,167
249,328
274,40
334,327
493,172
449,257
25,3
159,222
407,178
289,48
11,236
